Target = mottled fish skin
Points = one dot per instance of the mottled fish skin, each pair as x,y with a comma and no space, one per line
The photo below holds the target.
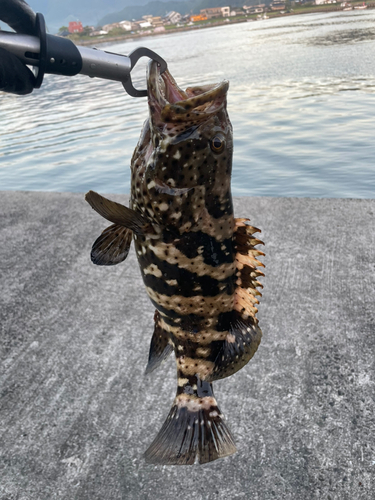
199,264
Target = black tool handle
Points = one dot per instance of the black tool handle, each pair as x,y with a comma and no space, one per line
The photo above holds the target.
56,55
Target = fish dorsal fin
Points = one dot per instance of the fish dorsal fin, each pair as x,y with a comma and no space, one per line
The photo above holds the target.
247,269
116,213
112,246
160,347
244,334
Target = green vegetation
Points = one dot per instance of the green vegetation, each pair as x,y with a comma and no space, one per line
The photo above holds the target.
117,32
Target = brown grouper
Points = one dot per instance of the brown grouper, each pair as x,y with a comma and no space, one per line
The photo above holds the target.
199,263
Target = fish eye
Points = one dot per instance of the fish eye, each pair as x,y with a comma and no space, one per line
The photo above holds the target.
217,143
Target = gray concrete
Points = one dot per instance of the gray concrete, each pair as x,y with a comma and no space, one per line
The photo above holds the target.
77,412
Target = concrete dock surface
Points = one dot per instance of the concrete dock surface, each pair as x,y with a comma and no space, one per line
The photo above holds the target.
77,411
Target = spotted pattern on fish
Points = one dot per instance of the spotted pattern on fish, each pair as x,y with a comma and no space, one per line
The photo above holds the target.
199,264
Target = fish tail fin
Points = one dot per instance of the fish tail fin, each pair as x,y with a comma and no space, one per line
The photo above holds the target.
193,431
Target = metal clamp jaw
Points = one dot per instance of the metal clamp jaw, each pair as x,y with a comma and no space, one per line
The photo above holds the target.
134,58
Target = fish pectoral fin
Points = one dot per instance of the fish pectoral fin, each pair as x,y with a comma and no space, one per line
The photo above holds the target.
112,246
116,213
160,347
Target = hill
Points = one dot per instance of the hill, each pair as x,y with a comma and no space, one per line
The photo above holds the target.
160,8
59,12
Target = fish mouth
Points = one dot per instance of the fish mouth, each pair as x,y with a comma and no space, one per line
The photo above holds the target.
169,103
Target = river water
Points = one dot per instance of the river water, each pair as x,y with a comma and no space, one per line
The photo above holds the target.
301,101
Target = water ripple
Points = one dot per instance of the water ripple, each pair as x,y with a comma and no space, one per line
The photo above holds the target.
301,100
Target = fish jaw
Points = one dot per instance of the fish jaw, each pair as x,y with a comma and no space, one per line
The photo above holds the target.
170,105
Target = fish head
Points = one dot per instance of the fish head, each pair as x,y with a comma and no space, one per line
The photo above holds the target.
183,161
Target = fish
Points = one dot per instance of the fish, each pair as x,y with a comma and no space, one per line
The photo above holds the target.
199,263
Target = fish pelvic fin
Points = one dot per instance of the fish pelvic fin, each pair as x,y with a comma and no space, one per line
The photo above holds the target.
112,246
194,429
116,213
160,347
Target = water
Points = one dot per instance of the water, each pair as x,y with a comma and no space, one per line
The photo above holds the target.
301,101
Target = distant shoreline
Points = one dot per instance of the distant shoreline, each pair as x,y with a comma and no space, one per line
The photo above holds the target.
124,38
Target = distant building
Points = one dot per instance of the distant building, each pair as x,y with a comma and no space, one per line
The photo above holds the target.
280,5
236,12
98,33
144,24
126,25
212,12
156,21
225,11
109,27
172,17
254,9
75,27
246,7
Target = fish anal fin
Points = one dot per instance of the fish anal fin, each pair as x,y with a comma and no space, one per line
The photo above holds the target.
160,347
239,346
116,213
112,246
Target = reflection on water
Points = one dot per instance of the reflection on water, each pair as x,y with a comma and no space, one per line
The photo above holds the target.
348,36
301,100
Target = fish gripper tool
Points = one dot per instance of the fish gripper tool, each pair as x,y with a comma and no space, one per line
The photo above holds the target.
60,56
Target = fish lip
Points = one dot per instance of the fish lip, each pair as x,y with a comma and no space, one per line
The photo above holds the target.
162,89
167,100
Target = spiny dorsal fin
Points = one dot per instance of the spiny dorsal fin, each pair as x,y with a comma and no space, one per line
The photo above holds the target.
247,273
244,334
112,246
160,347
115,212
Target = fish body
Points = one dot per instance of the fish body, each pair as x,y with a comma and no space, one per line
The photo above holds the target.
198,263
